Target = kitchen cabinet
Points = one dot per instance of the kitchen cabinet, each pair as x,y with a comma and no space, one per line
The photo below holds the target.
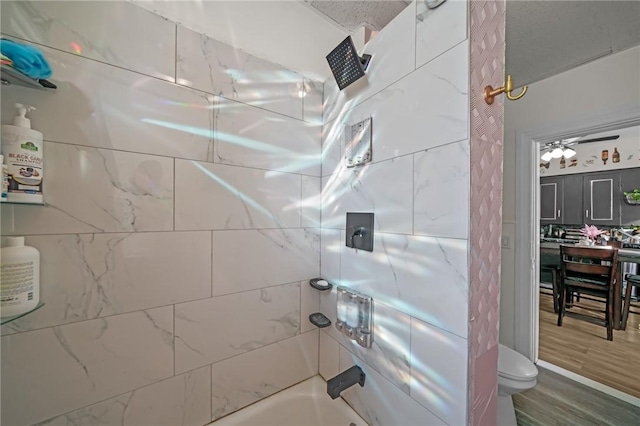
551,199
630,180
592,198
602,198
573,211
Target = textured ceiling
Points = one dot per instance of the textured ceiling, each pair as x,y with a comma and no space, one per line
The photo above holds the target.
352,15
545,38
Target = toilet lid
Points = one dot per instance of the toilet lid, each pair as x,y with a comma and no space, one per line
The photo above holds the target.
515,366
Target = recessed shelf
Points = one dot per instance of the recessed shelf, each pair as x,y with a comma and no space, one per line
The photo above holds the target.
15,203
11,76
7,320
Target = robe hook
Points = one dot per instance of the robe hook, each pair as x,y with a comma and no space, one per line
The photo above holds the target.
490,93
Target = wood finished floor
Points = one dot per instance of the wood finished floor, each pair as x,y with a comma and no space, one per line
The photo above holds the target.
557,401
582,347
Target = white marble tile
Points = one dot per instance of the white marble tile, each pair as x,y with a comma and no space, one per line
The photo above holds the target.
183,400
108,107
91,276
249,260
439,371
331,243
384,189
312,102
252,137
424,277
427,108
247,378
329,362
60,369
309,304
104,31
311,201
332,142
441,191
214,329
393,56
97,190
390,352
379,402
215,196
215,67
438,30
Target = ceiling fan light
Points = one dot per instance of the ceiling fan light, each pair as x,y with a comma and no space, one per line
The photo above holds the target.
546,156
568,153
557,153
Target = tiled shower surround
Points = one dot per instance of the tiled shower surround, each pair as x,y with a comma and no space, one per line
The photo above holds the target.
191,194
434,185
180,222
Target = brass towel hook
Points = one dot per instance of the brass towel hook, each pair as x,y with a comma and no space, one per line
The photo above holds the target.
490,93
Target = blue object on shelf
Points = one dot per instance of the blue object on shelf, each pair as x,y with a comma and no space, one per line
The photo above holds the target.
27,59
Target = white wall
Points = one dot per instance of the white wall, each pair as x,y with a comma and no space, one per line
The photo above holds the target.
417,93
588,156
180,228
283,32
601,86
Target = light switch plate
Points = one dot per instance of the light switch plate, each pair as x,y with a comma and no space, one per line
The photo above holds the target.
357,143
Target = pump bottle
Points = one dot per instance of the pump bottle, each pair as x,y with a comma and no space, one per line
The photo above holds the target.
22,148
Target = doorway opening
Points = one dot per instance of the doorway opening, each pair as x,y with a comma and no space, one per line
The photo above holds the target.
535,312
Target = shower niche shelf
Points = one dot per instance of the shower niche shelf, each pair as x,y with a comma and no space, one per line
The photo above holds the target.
13,77
18,203
7,320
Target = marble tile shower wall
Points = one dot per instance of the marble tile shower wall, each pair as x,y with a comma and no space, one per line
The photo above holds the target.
183,212
417,93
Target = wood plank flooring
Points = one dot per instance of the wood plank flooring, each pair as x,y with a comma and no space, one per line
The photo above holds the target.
557,400
582,347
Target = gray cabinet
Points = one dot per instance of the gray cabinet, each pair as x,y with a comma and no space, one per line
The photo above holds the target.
591,198
572,213
630,180
551,197
602,198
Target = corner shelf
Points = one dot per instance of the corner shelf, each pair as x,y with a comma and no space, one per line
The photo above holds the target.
17,203
7,320
11,76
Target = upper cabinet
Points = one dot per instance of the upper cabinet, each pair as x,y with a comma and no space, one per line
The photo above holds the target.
591,198
601,198
573,200
630,180
551,199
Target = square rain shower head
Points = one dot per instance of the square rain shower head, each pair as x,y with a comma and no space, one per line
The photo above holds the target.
345,63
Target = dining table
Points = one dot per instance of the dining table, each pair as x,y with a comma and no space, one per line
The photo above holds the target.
625,255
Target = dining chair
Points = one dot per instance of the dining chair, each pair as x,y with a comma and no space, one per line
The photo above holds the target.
551,264
632,281
592,271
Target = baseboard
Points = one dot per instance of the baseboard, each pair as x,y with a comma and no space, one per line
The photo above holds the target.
591,383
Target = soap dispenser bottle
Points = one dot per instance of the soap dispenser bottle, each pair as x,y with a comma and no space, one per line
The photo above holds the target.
22,149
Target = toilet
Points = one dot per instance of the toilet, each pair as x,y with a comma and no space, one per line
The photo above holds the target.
515,374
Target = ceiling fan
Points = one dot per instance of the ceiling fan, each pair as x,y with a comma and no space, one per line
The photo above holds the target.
560,148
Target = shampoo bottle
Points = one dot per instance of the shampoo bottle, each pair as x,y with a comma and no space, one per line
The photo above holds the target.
22,150
5,180
19,278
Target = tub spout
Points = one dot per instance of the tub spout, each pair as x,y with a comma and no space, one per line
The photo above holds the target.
345,380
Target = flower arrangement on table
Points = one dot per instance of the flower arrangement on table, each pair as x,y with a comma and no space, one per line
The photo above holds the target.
590,233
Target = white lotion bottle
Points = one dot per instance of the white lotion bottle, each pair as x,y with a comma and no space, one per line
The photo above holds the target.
19,278
22,149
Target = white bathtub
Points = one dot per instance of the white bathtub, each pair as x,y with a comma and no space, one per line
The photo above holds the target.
305,404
